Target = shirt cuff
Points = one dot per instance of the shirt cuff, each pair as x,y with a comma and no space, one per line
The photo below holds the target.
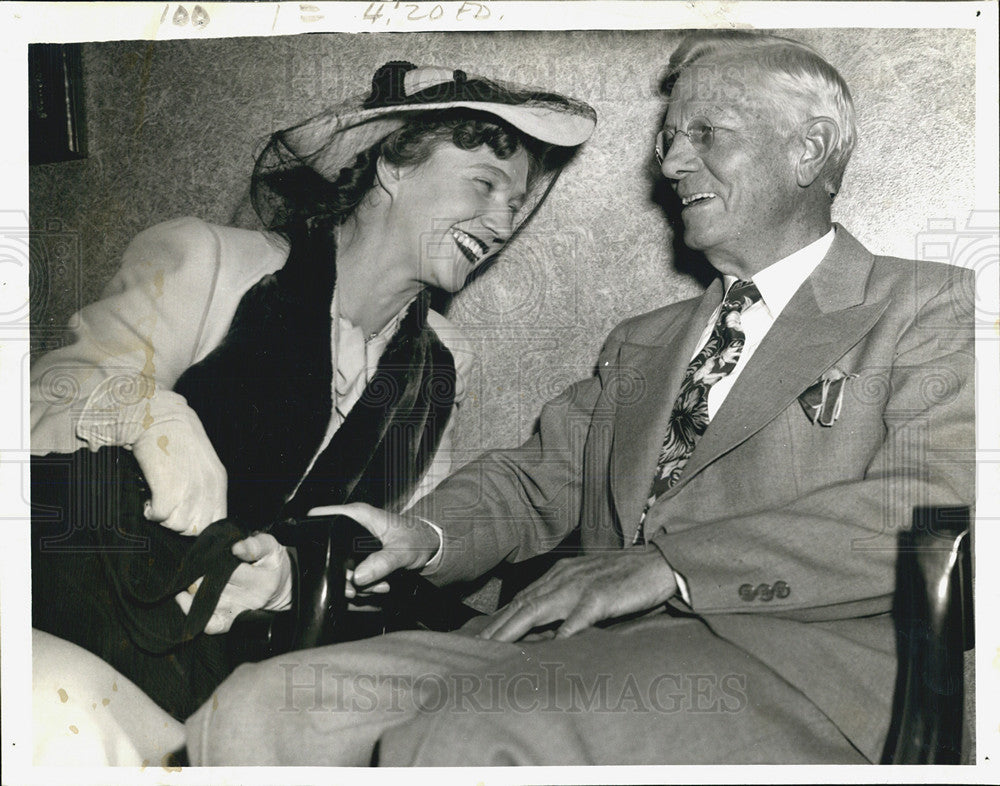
435,561
682,587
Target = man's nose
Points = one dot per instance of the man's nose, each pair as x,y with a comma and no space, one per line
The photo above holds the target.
681,158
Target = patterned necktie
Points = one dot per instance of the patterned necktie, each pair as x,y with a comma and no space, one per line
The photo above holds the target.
689,417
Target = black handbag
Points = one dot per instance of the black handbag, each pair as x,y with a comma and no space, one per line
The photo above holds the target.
322,549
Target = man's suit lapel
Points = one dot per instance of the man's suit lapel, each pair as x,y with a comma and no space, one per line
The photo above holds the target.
825,318
639,427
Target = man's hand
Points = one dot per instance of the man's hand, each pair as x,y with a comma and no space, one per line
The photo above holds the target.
407,542
583,591
187,480
263,581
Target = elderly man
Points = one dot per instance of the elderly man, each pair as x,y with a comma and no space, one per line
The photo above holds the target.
738,469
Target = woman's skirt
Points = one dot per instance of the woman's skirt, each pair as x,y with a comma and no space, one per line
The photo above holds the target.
104,578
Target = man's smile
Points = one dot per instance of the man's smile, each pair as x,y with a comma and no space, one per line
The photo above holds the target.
700,198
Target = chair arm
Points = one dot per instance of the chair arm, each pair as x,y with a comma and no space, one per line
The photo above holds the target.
933,609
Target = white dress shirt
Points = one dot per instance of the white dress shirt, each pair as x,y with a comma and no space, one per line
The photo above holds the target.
777,283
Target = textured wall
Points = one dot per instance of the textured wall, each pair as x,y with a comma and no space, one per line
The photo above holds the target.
172,127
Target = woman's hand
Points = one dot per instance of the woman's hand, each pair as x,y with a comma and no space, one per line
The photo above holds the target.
187,480
263,581
407,542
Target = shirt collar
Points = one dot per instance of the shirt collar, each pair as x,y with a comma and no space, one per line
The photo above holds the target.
778,282
345,325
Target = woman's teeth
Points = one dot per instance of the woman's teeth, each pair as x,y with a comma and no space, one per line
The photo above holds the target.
472,247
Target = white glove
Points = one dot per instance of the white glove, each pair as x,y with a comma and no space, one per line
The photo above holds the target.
185,476
263,581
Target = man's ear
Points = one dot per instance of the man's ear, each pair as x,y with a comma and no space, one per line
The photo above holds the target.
820,136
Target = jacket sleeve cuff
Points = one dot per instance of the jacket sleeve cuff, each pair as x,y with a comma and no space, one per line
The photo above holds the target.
121,409
683,589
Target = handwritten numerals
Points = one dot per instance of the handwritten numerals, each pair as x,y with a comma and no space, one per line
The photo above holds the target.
309,13
401,13
198,16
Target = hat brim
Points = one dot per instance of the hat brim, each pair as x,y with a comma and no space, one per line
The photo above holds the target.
333,139
536,119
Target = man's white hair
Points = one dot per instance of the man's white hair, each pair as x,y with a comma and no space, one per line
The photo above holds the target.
797,83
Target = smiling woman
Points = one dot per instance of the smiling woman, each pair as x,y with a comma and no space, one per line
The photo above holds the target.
469,198
229,379
448,197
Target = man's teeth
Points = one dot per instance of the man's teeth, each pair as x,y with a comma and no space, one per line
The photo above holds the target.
696,197
472,247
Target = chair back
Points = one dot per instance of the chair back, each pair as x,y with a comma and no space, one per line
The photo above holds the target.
934,624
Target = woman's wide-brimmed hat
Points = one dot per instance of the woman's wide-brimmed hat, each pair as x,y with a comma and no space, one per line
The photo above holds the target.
332,139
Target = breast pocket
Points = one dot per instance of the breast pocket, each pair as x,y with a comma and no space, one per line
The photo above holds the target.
834,434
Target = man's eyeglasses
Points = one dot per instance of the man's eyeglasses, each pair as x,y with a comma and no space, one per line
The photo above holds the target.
699,131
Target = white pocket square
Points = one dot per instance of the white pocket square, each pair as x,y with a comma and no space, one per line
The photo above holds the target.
822,401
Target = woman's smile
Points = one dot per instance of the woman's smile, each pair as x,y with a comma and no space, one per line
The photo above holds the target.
471,246
455,210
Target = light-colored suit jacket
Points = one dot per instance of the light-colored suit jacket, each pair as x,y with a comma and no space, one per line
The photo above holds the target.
785,530
168,306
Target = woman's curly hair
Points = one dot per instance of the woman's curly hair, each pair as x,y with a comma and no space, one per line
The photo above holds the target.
290,197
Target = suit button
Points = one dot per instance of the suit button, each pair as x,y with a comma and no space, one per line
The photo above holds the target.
765,592
747,592
781,589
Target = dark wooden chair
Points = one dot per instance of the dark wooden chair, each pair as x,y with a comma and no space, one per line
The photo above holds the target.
934,625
